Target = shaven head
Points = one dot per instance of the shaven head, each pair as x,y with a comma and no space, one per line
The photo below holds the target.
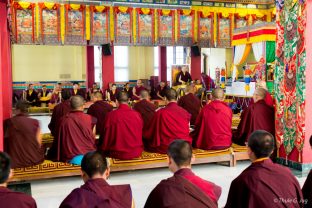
76,103
66,95
22,106
122,97
218,94
5,167
180,152
94,164
261,143
171,95
96,96
144,94
259,94
189,88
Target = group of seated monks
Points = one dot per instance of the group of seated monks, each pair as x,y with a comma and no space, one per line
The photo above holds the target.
262,184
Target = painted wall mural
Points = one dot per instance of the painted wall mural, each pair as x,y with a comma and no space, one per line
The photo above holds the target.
289,75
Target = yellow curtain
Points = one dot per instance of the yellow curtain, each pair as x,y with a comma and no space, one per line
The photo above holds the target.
246,53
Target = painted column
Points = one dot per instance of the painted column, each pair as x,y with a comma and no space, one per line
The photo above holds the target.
108,69
163,63
5,70
90,66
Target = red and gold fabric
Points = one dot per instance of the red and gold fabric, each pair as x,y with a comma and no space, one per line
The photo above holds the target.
24,22
166,27
75,24
224,31
205,29
185,27
49,21
123,25
99,25
145,30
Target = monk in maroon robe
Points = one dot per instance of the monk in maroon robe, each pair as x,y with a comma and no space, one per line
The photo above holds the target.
184,188
99,110
161,91
31,95
112,93
213,128
22,138
184,76
77,90
8,198
190,103
58,112
258,116
263,183
136,91
307,187
145,108
75,135
56,96
168,124
121,135
128,90
96,192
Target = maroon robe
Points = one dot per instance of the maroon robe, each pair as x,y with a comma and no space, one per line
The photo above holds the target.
265,184
79,92
97,193
180,192
11,199
191,104
32,97
161,91
268,99
75,136
129,92
113,96
213,128
258,116
55,98
168,124
184,77
138,92
20,141
307,191
121,135
99,109
58,112
147,111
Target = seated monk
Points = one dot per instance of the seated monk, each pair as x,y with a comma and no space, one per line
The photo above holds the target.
145,108
183,77
121,135
268,97
168,124
264,183
8,198
99,110
184,188
258,116
77,91
190,103
31,95
112,93
44,96
75,136
95,88
213,128
307,187
96,192
22,138
59,111
56,96
161,91
136,91
128,89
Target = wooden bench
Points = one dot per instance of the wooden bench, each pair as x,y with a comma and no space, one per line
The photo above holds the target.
239,153
49,170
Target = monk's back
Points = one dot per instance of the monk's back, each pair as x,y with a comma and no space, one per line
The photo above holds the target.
98,193
213,130
21,142
265,184
10,199
99,110
75,135
59,111
262,117
191,104
168,124
147,111
121,136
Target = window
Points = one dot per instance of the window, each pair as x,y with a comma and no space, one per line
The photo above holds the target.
156,61
175,55
121,62
97,65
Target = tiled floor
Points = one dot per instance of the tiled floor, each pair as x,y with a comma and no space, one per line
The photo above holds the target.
49,194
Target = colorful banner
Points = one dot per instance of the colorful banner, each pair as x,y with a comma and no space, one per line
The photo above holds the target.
166,27
123,25
24,22
205,30
240,22
49,14
185,27
145,27
75,24
224,32
99,18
